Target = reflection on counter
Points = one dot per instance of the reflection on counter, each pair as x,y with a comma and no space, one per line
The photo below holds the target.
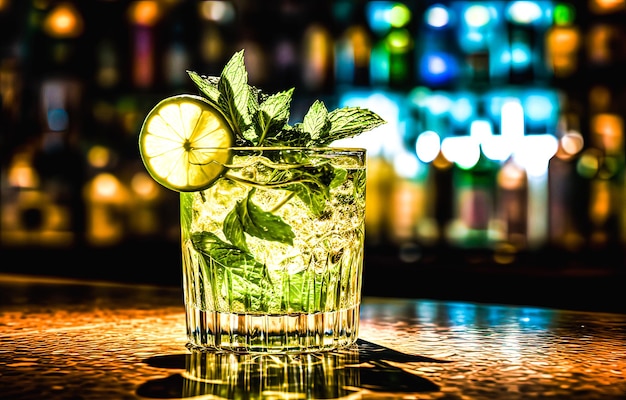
362,369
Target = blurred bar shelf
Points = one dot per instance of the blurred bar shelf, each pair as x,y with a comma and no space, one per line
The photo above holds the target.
69,338
506,120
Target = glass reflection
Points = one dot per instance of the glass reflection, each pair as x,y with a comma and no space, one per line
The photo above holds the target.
226,375
362,369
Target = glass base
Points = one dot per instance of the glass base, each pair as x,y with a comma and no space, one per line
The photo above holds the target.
251,333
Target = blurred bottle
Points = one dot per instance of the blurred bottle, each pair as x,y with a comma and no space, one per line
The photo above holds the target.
527,24
604,162
352,56
566,187
380,179
521,42
143,17
563,44
436,50
512,207
475,194
391,60
58,160
318,60
57,62
176,59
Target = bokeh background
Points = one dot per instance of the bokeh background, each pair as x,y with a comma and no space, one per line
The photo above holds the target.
500,175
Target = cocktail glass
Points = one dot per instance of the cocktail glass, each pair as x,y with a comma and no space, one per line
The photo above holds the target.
273,251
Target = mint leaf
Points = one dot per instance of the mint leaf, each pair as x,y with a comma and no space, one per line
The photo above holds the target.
272,115
309,183
313,195
249,218
207,85
233,229
299,296
307,291
289,136
255,98
341,175
248,279
235,92
316,121
348,122
227,254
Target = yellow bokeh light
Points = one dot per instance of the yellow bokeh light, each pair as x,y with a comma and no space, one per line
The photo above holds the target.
144,186
106,186
98,156
22,174
399,41
399,15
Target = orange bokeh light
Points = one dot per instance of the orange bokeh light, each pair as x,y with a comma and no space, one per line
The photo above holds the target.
64,21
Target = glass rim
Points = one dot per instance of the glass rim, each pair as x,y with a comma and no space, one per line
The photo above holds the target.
283,148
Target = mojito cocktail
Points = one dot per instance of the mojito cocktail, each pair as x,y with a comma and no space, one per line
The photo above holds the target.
272,216
273,251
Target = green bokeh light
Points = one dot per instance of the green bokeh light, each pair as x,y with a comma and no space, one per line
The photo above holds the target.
564,14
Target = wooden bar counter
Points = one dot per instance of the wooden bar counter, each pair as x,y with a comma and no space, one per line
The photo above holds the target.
75,339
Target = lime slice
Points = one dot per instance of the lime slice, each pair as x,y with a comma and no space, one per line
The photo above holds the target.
184,143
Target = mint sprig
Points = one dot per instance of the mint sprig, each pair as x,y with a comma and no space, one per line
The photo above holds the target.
263,120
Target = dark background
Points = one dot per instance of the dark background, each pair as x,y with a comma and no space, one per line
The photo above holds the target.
72,101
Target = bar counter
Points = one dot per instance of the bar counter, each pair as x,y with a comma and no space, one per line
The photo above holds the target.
79,339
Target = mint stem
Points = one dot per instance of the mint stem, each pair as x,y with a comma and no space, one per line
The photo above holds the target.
282,202
266,185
